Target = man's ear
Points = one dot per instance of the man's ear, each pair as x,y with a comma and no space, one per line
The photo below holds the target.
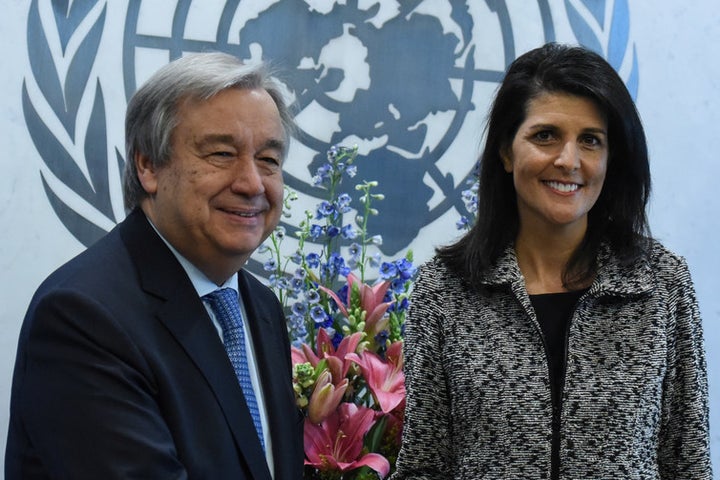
147,173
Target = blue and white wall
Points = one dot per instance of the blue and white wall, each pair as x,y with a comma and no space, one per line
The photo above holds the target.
408,81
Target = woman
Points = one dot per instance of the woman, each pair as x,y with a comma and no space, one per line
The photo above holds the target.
557,339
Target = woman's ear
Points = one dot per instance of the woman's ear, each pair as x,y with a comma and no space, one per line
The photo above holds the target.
506,160
146,173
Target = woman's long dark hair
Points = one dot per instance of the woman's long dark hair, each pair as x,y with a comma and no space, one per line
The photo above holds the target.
619,215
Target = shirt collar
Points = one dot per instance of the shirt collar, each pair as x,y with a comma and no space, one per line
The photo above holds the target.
203,285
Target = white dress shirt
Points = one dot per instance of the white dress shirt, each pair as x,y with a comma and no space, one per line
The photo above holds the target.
203,286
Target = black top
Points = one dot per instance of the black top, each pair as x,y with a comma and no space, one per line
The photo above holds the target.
554,311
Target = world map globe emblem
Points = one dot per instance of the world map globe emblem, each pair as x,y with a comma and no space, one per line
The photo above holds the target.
403,83
408,82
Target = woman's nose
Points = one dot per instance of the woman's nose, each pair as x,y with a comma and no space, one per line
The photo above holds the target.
569,157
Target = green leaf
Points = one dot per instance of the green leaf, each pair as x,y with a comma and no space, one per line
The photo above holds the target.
374,437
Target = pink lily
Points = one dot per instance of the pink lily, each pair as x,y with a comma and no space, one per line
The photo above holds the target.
371,301
335,358
303,355
325,397
385,378
337,442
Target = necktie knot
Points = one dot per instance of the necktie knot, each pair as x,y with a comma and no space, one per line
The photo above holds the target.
226,307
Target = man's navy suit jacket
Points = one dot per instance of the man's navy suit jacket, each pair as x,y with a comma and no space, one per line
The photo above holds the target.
121,374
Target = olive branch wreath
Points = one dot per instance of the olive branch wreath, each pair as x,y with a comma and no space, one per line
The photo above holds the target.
606,35
64,92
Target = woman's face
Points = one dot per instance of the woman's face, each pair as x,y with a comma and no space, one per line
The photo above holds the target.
558,160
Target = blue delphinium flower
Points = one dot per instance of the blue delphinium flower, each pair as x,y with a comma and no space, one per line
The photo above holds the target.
335,266
312,259
299,308
329,271
397,286
278,282
270,265
298,330
283,283
406,269
322,175
340,265
297,284
273,280
342,293
355,250
388,297
388,270
321,317
399,306
348,232
325,209
296,258
312,296
381,340
402,305
337,338
315,231
343,203
470,200
318,314
337,261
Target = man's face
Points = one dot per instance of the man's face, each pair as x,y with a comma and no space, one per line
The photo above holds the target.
220,195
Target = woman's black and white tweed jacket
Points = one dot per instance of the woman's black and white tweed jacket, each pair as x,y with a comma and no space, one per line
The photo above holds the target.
635,401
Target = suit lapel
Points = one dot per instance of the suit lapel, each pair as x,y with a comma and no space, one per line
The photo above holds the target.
272,349
184,315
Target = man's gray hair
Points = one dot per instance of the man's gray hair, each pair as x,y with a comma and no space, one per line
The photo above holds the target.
152,111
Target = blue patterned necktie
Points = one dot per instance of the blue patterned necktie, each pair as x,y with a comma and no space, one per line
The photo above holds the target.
224,303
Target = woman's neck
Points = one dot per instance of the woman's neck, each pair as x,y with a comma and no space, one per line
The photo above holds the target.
543,255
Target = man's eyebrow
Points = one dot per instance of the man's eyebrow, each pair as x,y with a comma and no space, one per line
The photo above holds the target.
213,138
275,144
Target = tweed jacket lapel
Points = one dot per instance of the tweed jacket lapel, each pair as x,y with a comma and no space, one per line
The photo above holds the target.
637,277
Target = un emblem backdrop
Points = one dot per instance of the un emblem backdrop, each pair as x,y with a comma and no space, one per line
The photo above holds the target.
407,81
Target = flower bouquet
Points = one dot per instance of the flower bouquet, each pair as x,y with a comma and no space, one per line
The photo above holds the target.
346,330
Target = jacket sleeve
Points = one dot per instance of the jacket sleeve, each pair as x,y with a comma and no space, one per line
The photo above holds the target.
426,449
684,437
84,396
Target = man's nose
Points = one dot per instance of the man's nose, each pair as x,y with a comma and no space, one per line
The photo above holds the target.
247,177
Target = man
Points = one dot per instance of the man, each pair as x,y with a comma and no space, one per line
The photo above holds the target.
121,369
